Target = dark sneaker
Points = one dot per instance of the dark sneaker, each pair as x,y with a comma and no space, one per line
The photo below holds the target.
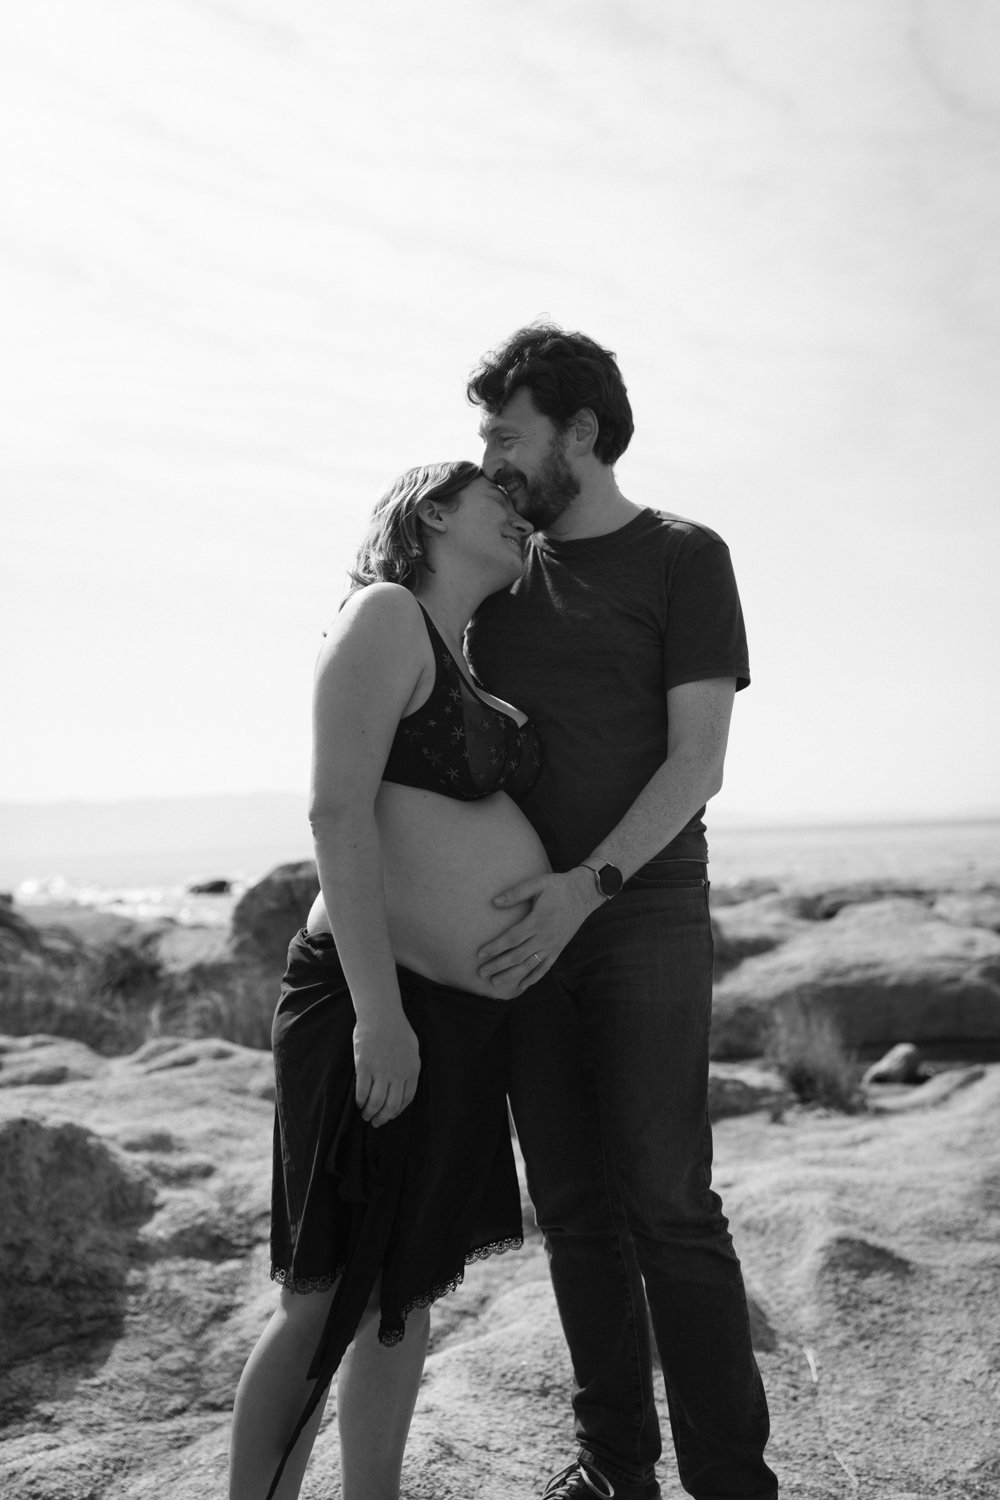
582,1481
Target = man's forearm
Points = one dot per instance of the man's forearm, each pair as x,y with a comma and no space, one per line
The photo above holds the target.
666,804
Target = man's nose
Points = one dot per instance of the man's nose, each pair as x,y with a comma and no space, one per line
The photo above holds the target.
490,462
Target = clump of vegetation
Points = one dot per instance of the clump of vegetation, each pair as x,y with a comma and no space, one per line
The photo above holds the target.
233,1002
101,996
807,1049
116,996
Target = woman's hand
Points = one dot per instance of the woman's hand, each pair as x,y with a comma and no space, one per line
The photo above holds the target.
387,1065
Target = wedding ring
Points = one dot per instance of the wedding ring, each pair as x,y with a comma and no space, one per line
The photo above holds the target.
537,957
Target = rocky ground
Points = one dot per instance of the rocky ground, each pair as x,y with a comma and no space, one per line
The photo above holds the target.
133,1271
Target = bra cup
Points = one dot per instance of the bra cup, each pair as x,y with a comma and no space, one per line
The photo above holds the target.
457,744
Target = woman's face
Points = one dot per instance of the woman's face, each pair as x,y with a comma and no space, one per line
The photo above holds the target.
487,530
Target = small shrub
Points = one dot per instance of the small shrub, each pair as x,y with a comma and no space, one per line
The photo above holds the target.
119,995
234,1003
808,1051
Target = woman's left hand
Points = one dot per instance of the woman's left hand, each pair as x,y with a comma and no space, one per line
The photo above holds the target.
560,904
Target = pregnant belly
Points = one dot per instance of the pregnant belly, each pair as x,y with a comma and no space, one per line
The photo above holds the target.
443,862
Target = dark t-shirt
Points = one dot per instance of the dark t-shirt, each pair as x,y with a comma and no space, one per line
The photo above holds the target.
588,642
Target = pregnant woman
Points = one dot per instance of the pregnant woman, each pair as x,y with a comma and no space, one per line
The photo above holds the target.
393,1164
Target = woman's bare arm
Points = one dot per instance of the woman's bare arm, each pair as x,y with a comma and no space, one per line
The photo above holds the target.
370,672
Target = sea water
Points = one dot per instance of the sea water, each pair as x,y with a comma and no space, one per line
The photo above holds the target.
953,854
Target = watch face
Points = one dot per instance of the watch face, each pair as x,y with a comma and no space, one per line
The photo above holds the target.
609,878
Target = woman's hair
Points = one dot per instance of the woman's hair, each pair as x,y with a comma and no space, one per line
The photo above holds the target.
564,372
395,546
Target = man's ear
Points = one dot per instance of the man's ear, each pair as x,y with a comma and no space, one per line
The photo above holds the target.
584,431
432,516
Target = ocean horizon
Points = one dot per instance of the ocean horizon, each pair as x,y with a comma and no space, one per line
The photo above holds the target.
155,881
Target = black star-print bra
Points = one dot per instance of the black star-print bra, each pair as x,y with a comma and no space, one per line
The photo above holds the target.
457,744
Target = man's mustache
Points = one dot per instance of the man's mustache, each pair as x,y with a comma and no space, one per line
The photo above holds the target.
505,476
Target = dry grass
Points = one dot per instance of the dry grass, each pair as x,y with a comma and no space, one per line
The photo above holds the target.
807,1049
230,1002
118,996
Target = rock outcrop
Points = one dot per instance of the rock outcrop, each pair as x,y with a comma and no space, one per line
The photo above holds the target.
884,969
133,1263
269,914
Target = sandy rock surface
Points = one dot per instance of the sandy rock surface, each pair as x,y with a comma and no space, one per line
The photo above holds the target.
134,1278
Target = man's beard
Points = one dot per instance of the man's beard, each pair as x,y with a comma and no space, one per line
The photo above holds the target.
543,499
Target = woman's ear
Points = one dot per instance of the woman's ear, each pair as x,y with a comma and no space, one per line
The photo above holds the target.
432,516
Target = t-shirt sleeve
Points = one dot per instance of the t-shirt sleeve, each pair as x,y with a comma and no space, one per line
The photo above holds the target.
705,635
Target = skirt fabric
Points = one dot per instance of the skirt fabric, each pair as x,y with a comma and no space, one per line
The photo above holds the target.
414,1200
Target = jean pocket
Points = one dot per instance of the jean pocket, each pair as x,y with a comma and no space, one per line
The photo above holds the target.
663,883
662,880
670,875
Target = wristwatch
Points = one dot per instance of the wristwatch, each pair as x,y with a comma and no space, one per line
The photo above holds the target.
607,878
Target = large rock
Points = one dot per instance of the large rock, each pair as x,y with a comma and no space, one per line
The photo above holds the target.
742,1089
17,935
269,914
883,970
970,908
754,926
71,1208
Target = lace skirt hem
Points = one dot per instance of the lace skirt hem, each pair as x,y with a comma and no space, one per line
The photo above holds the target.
304,1284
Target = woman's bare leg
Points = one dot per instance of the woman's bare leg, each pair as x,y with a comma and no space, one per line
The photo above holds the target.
376,1393
272,1391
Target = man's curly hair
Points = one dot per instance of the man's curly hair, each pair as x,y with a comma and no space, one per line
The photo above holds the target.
564,373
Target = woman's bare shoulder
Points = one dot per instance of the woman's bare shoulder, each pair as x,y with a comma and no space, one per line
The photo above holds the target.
388,603
377,624
379,611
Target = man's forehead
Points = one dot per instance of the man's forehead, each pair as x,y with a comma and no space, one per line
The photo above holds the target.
515,415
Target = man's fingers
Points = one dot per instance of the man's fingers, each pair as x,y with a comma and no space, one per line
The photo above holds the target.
528,960
504,943
511,897
525,890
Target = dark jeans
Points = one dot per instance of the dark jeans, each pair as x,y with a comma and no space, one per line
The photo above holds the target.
609,1094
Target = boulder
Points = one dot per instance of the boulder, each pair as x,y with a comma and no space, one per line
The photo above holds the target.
753,926
72,1208
881,970
17,935
735,892
269,914
742,1088
970,908
901,1064
44,1060
822,905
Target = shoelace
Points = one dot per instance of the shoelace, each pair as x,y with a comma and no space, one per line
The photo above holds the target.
562,1486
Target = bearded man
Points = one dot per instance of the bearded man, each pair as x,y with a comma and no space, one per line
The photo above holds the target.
624,642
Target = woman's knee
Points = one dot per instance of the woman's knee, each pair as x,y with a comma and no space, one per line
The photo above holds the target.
302,1314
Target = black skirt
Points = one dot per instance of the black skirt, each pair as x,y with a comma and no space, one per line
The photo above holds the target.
417,1198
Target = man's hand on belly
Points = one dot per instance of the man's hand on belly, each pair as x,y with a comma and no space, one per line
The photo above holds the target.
560,904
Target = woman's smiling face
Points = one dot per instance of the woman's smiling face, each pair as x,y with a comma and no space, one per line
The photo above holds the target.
486,527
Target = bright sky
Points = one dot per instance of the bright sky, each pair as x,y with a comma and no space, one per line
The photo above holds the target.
250,250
